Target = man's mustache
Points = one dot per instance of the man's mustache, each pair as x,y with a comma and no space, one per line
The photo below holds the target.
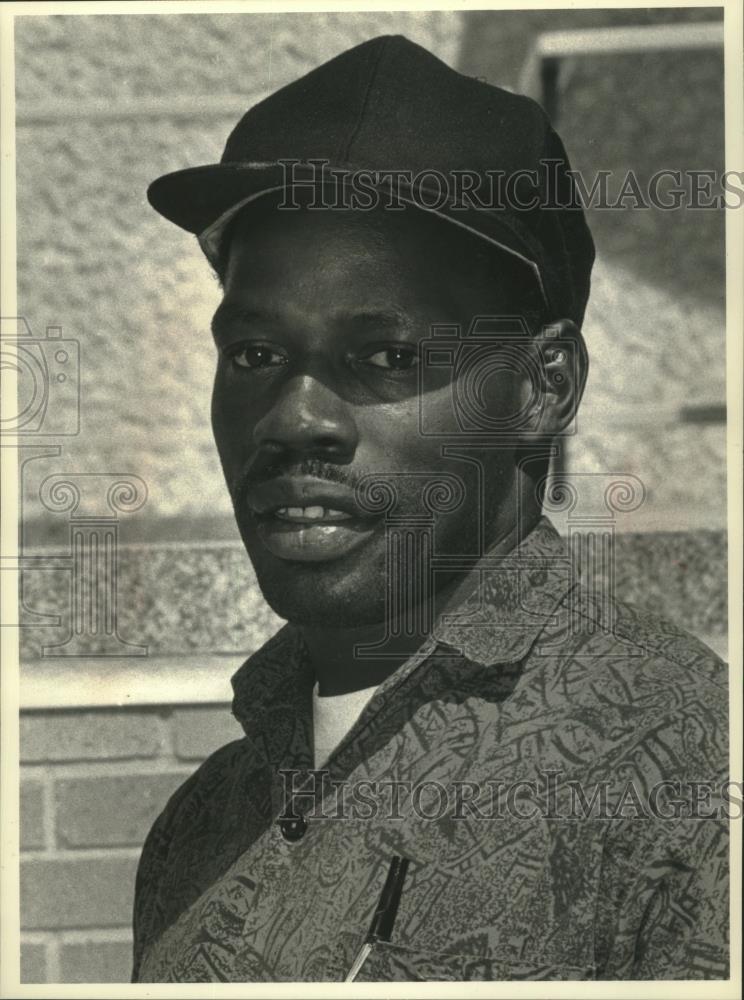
407,491
256,473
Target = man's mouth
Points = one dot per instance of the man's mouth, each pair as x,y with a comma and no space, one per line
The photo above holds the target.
306,519
311,515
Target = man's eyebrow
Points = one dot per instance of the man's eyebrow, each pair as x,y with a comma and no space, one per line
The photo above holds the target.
227,311
384,320
364,320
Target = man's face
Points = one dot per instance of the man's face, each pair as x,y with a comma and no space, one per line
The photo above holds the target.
317,385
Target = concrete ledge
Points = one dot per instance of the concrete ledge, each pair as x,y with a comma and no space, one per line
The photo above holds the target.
200,599
49,685
106,683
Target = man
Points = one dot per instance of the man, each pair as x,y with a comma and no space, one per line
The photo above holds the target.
456,764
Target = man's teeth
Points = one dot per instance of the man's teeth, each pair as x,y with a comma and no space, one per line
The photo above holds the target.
311,514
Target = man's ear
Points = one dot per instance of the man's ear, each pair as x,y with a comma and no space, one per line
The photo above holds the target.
563,364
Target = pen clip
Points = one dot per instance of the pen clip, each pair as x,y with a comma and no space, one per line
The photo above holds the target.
383,919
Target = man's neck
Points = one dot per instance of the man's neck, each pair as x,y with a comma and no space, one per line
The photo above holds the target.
334,653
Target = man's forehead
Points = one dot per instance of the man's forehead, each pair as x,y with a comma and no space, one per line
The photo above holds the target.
417,240
251,307
270,242
380,253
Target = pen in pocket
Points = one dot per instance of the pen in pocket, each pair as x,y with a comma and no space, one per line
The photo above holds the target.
381,928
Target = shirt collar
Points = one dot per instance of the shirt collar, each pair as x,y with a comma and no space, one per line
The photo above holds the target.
509,601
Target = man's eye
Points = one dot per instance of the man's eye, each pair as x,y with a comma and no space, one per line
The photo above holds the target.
399,359
257,356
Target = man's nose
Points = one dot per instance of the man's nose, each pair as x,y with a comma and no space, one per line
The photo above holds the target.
308,418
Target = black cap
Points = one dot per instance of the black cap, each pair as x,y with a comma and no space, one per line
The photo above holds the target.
389,105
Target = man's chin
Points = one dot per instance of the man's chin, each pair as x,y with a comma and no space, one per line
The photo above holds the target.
308,604
329,594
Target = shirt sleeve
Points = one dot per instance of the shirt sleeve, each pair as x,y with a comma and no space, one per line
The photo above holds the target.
187,848
152,865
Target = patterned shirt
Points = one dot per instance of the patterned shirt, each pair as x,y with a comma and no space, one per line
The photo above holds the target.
550,763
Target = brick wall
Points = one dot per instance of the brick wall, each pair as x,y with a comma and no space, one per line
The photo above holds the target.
92,783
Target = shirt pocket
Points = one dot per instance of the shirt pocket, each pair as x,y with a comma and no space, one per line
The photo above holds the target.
395,963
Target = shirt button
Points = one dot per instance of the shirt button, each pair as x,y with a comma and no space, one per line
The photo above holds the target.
293,829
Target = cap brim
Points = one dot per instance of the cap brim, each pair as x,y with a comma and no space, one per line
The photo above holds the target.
195,198
202,200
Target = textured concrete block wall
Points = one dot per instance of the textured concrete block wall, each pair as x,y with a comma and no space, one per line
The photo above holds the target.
107,103
92,783
96,260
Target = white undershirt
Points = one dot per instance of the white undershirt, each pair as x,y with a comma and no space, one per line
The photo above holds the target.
333,717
